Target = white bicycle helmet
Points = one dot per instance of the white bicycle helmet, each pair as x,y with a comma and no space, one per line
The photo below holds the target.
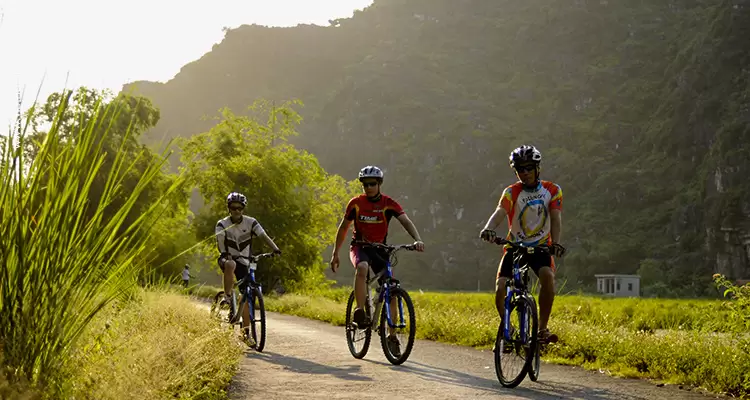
371,171
236,197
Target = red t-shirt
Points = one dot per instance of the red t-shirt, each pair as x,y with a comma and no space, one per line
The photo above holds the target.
371,217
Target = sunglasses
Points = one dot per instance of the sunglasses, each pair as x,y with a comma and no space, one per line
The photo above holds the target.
525,168
236,208
370,184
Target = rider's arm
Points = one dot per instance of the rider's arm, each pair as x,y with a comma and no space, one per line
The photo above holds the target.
501,212
409,226
220,236
349,215
258,230
341,235
555,211
555,225
496,218
269,241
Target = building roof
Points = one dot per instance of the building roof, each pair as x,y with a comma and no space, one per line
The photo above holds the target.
617,276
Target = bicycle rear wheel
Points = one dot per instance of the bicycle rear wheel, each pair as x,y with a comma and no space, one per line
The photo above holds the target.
216,302
404,324
220,308
535,363
354,335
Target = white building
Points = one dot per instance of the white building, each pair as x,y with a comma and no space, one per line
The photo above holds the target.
619,285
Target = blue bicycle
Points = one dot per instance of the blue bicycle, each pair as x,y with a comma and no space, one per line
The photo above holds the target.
396,300
254,327
522,341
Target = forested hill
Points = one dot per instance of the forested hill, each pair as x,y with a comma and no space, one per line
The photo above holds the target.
641,110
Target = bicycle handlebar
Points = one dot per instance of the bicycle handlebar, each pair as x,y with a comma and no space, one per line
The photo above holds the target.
258,257
517,246
390,248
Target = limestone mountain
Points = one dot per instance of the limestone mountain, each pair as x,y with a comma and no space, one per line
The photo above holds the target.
641,110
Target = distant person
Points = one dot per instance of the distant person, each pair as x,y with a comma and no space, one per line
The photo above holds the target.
234,239
186,276
371,212
533,208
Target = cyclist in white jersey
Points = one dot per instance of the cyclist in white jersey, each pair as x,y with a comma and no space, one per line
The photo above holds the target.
234,236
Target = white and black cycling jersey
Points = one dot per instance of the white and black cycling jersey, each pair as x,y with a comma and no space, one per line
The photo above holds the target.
236,239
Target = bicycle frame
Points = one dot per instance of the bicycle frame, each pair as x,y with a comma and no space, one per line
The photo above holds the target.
516,288
384,294
245,286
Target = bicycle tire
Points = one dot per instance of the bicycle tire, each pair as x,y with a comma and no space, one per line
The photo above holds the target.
216,303
403,294
350,331
509,383
535,364
260,342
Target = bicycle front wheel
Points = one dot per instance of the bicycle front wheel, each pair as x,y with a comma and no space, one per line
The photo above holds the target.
403,327
258,321
356,337
513,357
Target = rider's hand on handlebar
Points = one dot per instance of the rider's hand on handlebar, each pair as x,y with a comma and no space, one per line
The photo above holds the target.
557,250
419,245
488,235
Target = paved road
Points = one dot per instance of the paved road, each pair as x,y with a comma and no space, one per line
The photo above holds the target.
306,359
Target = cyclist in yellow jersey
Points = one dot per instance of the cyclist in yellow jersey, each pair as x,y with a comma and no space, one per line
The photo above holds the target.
533,209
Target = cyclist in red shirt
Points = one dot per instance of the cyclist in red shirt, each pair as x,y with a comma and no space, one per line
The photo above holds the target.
371,212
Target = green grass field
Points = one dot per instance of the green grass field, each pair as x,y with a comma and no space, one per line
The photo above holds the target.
692,342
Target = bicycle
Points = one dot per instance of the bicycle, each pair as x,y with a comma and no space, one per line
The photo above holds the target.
518,297
250,290
389,289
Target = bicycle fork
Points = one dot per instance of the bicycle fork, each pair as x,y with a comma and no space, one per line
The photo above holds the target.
248,299
511,297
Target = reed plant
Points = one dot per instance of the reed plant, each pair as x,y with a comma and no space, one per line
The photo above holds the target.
61,263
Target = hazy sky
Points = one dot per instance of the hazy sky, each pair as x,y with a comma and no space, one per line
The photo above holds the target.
104,43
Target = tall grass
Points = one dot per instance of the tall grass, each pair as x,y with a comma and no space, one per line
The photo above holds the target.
59,267
157,345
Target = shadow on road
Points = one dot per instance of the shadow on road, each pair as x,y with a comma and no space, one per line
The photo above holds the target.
301,366
530,390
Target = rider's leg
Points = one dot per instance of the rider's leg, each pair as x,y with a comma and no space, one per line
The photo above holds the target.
360,283
361,263
500,296
240,272
504,272
229,266
546,295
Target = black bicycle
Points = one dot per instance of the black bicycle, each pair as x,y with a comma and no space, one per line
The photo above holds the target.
522,341
389,293
253,329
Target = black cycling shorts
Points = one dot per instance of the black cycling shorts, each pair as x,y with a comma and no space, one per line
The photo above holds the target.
535,261
376,257
240,270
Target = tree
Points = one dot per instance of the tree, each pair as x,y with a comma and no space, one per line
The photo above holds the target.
288,192
116,123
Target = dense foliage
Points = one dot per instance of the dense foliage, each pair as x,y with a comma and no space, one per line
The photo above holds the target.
288,192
